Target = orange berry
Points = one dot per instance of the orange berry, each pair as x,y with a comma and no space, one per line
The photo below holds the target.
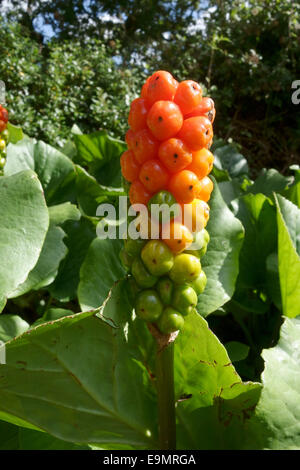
130,139
177,236
196,132
202,163
161,86
205,189
145,146
145,89
164,119
174,154
130,168
138,114
153,176
138,194
188,95
194,216
184,186
205,108
3,114
2,125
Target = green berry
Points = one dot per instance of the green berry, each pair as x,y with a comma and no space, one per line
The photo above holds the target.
126,259
148,305
165,289
170,321
166,198
141,275
184,299
186,268
199,284
157,257
134,247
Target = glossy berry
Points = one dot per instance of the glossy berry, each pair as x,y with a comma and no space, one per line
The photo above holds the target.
161,86
171,320
186,268
184,298
163,206
205,189
177,236
157,257
144,89
188,96
138,194
130,139
164,119
153,176
129,167
148,305
134,247
196,132
141,274
201,240
205,108
2,145
165,289
184,186
199,284
202,163
5,135
174,154
138,114
3,114
145,146
2,125
193,215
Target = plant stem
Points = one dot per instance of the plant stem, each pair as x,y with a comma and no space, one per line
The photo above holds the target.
166,398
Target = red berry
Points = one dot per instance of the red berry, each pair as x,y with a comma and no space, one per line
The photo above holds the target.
138,194
145,146
3,114
130,168
161,86
174,154
130,139
138,114
188,96
184,186
154,176
164,119
196,132
205,108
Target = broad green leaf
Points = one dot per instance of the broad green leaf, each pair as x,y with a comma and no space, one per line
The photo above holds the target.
276,424
52,167
24,223
9,436
101,154
213,404
273,281
288,220
15,133
228,158
293,192
100,270
44,272
221,262
11,326
78,379
60,213
79,236
236,351
90,193
53,314
258,217
268,181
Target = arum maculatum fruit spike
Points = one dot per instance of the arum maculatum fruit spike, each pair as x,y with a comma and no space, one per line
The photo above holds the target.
166,168
4,136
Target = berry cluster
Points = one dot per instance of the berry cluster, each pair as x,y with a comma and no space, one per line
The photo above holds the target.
168,162
4,136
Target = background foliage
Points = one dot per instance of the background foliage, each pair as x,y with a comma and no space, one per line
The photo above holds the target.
88,59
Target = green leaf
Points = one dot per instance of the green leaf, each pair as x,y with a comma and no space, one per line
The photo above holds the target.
213,404
221,260
53,314
268,181
288,220
293,192
11,326
24,222
101,154
100,270
52,167
15,133
276,424
90,193
60,213
236,351
79,236
45,271
78,379
228,158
